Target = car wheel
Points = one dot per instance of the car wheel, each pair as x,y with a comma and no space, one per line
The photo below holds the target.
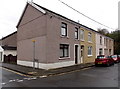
96,65
108,64
112,63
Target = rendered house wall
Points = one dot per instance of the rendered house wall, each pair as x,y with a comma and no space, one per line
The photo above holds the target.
34,30
107,45
86,44
45,30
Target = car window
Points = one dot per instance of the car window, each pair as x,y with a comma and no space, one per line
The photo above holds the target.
114,56
108,56
100,57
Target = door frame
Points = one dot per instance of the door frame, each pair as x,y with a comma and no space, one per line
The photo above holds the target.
82,53
78,55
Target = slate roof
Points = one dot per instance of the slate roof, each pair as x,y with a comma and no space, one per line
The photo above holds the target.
9,48
9,35
81,25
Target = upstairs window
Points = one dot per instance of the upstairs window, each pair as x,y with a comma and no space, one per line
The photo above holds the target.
101,40
76,33
104,41
90,37
63,29
82,34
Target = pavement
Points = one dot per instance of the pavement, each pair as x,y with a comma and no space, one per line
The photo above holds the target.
41,72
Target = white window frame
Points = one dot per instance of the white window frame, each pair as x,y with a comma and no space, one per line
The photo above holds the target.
89,37
77,30
66,29
101,40
91,51
82,35
105,41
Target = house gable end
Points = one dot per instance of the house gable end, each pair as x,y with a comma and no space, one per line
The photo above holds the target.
30,13
10,40
22,16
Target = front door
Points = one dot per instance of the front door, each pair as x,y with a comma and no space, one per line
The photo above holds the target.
76,54
82,53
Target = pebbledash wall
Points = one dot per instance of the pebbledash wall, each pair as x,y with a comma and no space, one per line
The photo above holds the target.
54,37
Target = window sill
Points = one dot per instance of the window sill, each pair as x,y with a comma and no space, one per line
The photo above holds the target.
82,40
89,41
64,58
76,39
90,55
65,37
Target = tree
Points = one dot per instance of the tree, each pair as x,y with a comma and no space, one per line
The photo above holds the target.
103,31
114,35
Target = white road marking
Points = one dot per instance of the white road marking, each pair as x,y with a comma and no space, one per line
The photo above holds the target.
3,83
30,78
25,78
20,81
34,78
44,76
17,79
11,80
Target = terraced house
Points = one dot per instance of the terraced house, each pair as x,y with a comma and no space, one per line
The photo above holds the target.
88,44
48,40
8,46
104,45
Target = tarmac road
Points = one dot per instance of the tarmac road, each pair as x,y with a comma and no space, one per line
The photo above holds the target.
89,77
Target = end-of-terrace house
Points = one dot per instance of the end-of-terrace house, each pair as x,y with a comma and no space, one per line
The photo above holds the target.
46,39
9,46
88,44
104,45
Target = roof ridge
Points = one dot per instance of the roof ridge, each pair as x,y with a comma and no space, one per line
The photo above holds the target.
8,35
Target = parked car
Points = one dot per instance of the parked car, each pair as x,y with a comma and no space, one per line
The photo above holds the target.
119,58
116,58
104,60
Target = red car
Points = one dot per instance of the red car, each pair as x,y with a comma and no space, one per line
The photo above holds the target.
116,58
119,58
104,60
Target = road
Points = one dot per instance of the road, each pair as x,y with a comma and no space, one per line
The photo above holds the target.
89,77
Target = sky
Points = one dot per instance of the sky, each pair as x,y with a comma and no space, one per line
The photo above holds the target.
103,11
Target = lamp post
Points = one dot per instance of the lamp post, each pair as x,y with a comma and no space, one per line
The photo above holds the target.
118,42
33,53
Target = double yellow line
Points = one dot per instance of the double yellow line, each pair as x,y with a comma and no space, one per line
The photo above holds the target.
16,72
71,71
45,77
